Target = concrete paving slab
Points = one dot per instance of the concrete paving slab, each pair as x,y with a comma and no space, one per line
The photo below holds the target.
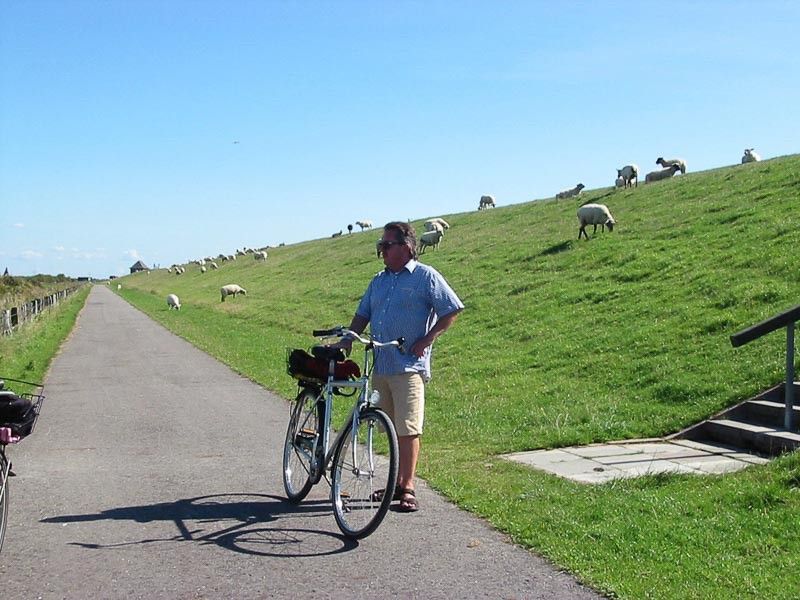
601,463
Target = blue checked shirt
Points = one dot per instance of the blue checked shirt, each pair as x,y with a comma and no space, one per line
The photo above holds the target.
406,304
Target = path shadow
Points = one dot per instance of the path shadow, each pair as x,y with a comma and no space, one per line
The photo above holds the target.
198,520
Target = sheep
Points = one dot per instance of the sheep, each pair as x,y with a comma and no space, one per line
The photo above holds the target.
629,173
337,234
260,255
430,224
594,214
364,224
231,290
662,174
349,228
486,202
213,265
672,161
429,238
203,269
570,193
750,156
173,302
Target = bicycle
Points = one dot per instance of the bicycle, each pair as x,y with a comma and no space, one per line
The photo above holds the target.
26,407
361,480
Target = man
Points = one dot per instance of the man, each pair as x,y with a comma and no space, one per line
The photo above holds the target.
410,300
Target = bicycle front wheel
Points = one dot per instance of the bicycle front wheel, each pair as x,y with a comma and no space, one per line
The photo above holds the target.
300,469
363,481
4,468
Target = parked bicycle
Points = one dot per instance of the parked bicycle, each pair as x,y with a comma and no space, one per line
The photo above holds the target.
362,460
18,416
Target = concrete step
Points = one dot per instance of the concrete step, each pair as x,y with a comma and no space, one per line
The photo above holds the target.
764,412
759,438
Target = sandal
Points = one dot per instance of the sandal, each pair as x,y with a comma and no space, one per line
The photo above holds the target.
377,495
408,501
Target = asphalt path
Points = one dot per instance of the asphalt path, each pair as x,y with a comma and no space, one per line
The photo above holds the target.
155,472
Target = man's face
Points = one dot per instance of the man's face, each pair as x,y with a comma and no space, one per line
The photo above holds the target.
395,253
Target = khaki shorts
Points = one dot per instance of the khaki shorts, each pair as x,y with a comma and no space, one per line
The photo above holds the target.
403,399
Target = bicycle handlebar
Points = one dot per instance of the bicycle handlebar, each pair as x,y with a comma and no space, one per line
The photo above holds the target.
349,333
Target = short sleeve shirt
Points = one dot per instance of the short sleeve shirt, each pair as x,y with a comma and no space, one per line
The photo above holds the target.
406,304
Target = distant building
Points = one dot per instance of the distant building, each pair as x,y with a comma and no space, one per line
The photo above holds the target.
139,266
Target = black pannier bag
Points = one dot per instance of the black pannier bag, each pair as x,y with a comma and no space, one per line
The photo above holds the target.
17,413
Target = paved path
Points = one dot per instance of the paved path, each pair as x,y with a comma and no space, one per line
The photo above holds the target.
154,472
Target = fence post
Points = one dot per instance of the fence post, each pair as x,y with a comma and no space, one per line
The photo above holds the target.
788,413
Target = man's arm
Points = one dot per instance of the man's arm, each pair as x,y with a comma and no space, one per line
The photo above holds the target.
442,325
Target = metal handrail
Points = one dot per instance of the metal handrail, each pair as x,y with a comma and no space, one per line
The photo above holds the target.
785,319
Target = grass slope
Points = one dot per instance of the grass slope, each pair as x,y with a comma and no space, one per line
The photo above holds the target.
566,342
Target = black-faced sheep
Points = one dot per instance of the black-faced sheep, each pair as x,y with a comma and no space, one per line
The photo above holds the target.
594,214
668,162
629,173
750,156
570,193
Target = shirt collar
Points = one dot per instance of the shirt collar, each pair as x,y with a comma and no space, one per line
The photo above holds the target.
409,266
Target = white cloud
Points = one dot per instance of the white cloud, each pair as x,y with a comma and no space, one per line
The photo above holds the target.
58,248
19,225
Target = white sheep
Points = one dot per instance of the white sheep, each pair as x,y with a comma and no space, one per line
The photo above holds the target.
430,238
364,224
486,202
672,161
750,156
431,224
213,265
629,173
231,290
570,193
662,174
173,302
262,255
203,269
594,214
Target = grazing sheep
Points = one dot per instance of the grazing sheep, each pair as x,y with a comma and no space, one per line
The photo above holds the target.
750,156
430,224
486,202
173,302
570,193
429,238
672,161
337,234
203,269
594,214
629,173
364,224
231,290
662,174
260,255
213,265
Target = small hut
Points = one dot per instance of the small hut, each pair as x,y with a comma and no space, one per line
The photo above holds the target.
139,266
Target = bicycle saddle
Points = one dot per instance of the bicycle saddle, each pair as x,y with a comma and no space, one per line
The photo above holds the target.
328,353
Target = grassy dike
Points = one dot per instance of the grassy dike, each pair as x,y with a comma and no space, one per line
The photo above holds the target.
566,342
27,353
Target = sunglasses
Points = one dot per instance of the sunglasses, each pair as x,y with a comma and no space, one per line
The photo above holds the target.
384,244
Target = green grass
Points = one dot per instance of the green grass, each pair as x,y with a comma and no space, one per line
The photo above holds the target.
566,342
27,353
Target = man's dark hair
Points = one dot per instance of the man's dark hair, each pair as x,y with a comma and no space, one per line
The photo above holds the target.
405,233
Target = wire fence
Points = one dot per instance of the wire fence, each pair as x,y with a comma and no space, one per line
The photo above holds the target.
13,317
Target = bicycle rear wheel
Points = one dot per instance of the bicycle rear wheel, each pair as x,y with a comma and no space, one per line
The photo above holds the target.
300,469
4,469
359,473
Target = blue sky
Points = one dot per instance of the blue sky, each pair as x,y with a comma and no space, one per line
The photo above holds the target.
170,130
